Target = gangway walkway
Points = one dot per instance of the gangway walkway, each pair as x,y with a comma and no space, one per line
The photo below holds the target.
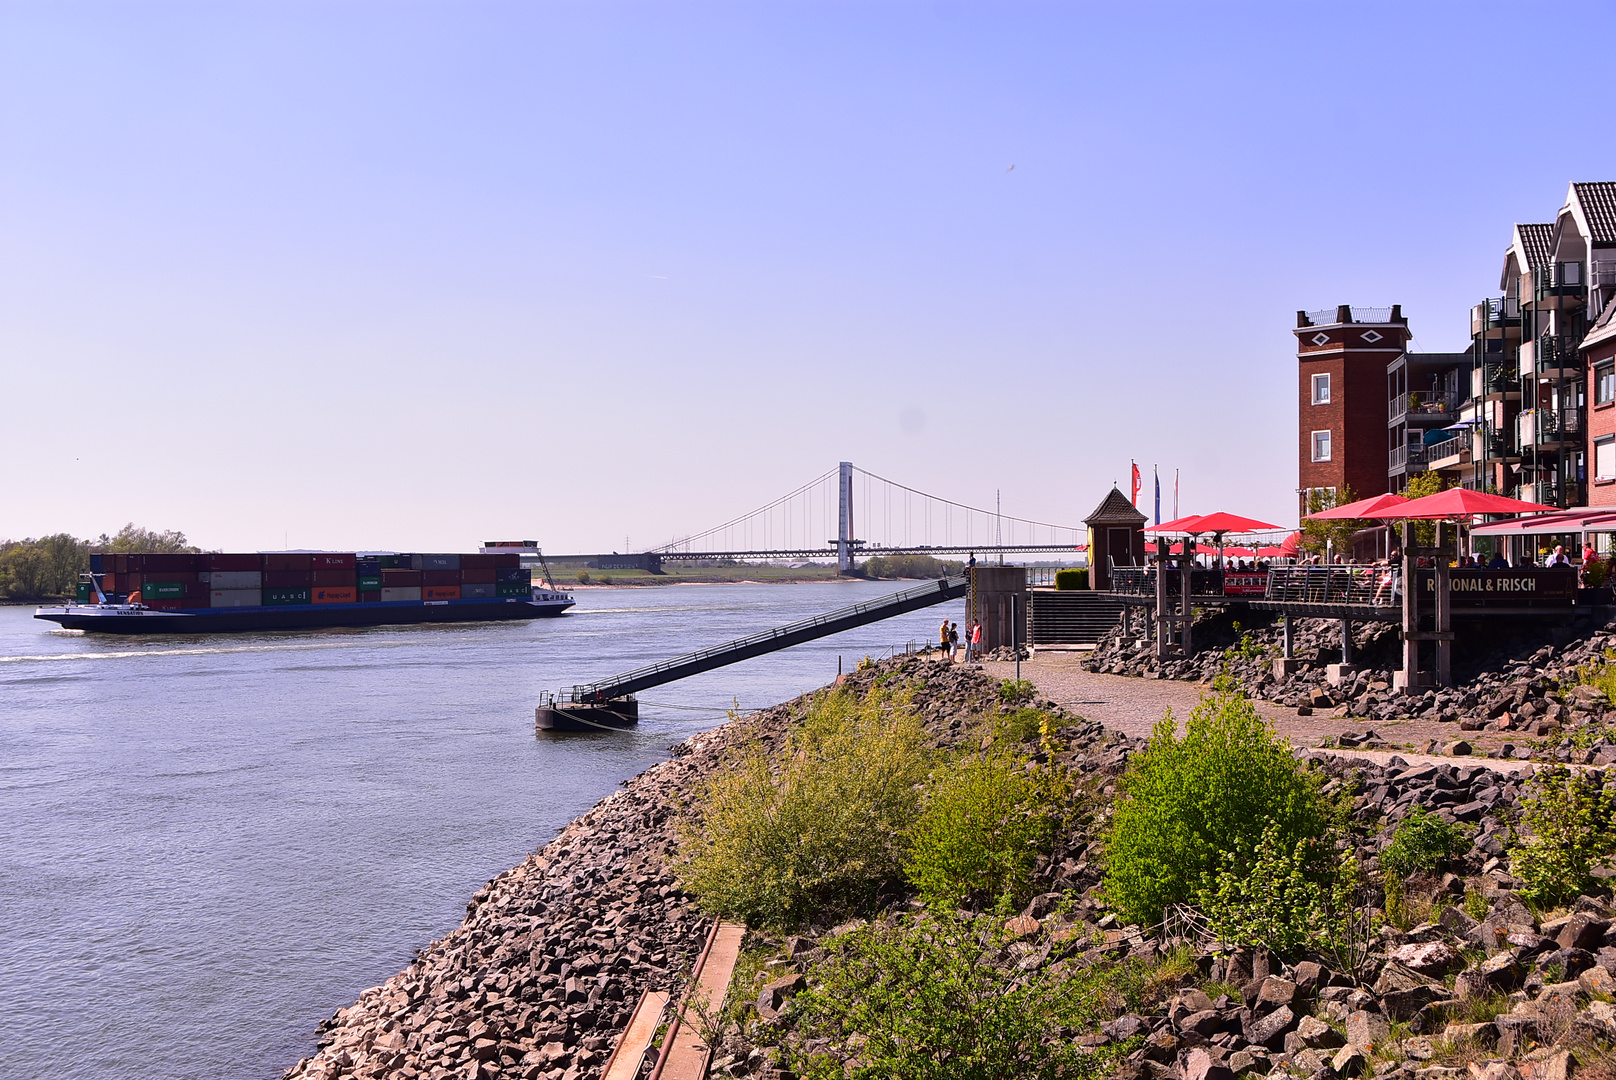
555,710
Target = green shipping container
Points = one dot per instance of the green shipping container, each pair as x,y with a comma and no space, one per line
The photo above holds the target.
286,596
370,584
513,589
84,592
163,590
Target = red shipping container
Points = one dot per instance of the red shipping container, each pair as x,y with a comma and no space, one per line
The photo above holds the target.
506,562
476,576
168,605
441,592
137,562
370,596
284,562
120,563
195,590
477,562
223,561
334,596
437,577
401,579
288,579
331,560
171,562
335,578
109,582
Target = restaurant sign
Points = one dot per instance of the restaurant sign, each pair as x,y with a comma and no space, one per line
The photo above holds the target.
1527,587
1240,584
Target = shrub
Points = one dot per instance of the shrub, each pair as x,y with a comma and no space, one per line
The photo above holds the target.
1015,691
1023,724
983,825
583,577
1601,675
818,831
1594,572
1274,895
1071,579
1569,815
1185,802
1422,843
934,999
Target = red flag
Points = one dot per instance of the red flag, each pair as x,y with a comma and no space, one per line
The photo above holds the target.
1135,484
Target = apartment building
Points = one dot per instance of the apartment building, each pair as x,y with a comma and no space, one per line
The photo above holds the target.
1341,355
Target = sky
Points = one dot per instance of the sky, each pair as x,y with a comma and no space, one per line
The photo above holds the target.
415,275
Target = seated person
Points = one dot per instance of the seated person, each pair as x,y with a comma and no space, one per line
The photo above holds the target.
1498,562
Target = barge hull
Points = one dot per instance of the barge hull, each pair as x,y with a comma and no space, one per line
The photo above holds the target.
297,616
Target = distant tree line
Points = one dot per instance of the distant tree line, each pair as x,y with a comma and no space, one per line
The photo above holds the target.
909,566
47,567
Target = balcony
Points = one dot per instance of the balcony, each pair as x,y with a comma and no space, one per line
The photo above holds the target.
1495,378
1423,408
1560,279
1603,273
1552,356
1449,453
1539,427
1550,493
1495,313
1409,458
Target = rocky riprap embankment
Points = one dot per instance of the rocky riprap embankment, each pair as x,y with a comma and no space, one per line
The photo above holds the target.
553,955
1516,678
1506,994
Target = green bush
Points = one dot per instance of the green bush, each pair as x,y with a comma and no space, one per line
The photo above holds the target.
818,831
934,1000
1569,818
1072,579
1187,802
1023,725
1421,844
1601,675
1015,691
982,827
1273,895
1594,572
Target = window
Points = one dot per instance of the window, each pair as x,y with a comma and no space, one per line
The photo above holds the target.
1605,458
1321,389
1604,383
1321,446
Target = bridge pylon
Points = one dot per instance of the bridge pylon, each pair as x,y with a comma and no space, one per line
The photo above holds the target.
844,525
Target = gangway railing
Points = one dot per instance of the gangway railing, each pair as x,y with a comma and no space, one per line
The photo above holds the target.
767,641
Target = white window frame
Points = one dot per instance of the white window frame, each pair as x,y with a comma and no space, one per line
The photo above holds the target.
1321,380
1605,380
1327,445
1605,458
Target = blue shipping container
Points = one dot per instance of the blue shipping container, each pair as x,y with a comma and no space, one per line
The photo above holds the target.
513,576
440,562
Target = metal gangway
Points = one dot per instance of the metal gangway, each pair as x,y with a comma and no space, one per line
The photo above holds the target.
767,641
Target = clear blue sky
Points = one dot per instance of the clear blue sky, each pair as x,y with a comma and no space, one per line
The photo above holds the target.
413,275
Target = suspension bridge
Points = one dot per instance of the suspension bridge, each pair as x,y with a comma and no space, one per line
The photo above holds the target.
895,518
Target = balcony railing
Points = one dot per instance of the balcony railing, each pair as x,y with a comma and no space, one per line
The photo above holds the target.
1560,279
1425,404
1603,272
1553,353
1494,313
1410,457
1534,427
1459,446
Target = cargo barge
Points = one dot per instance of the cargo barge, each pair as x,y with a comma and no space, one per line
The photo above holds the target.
297,590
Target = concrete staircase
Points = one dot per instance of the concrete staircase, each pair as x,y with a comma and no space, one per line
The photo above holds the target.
1072,617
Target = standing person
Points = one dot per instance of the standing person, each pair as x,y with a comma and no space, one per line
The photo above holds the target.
953,639
942,638
976,640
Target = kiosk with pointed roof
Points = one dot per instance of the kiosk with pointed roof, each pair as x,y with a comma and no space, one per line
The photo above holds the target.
1116,535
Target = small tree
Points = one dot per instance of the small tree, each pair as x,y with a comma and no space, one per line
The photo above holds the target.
1419,486
1316,535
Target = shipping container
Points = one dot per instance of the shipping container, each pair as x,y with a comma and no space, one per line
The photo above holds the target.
163,590
236,563
401,579
440,592
83,594
506,590
506,562
109,582
235,598
198,591
168,605
440,577
332,560
120,563
346,594
285,596
478,591
440,562
369,582
393,562
476,562
287,561
370,596
97,563
288,579
509,576
477,576
236,579
367,567
412,592
171,562
337,578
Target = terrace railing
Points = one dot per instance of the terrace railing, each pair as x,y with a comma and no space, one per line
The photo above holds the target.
1357,585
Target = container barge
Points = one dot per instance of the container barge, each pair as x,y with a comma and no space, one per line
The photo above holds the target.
297,590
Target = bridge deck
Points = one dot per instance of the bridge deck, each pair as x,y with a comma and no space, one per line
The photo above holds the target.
783,637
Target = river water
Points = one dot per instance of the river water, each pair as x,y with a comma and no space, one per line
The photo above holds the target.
208,845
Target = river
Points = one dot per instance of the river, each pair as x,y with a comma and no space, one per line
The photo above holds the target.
208,845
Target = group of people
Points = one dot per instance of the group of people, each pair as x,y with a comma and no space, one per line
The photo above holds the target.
949,637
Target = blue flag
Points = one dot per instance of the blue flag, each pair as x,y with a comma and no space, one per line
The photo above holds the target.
1157,476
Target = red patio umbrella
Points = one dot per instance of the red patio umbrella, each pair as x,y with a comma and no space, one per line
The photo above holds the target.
1363,508
1177,525
1228,523
1458,502
1291,546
